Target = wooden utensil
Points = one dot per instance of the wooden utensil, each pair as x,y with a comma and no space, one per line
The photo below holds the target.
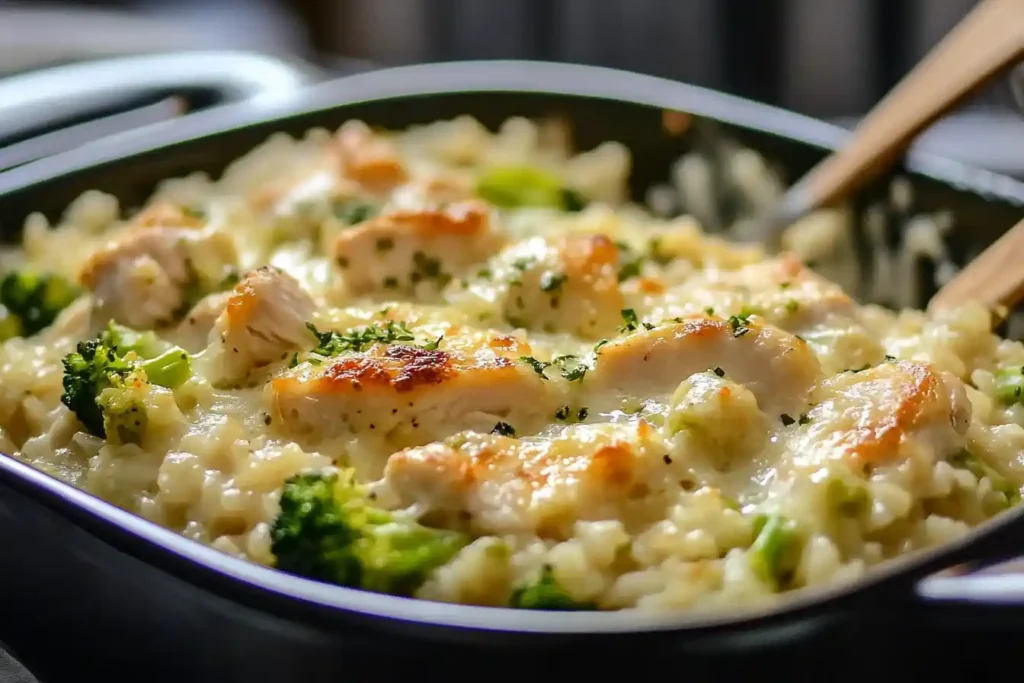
995,279
988,39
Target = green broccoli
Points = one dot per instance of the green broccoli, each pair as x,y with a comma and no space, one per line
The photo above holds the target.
33,301
1004,492
516,186
124,339
101,364
776,550
1010,384
123,408
546,594
327,530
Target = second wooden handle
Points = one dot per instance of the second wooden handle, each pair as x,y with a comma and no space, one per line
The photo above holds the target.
990,38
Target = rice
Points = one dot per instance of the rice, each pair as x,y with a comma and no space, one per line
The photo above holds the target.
215,456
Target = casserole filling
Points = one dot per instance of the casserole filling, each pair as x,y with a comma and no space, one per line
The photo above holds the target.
460,365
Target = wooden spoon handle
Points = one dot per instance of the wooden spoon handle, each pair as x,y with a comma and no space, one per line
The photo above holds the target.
988,39
995,279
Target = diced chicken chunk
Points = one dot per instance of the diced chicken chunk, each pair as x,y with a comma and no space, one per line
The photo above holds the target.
865,418
400,251
410,395
500,485
368,158
146,276
778,368
263,322
564,285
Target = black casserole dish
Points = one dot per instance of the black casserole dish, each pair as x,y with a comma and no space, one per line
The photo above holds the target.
101,576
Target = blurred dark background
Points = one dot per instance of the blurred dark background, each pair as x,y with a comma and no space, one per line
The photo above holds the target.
827,58
823,57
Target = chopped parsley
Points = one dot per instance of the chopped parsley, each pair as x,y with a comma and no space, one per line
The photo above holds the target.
792,306
565,414
503,429
787,420
656,253
573,201
353,211
598,345
804,419
890,359
710,310
432,345
738,326
538,366
572,368
550,282
631,262
629,319
719,371
428,268
333,343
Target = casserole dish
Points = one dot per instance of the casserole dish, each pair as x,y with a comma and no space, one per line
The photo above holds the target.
84,566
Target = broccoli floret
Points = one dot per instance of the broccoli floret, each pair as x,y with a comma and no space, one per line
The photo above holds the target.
328,531
34,300
1010,384
123,408
10,325
517,186
545,593
101,364
124,339
93,367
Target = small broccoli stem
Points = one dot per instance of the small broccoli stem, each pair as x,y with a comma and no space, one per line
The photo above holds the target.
1010,384
170,369
545,593
1006,492
124,339
517,186
775,552
847,499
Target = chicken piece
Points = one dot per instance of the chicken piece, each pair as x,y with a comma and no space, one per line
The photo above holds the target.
368,158
410,395
866,418
263,322
778,368
790,295
193,332
150,273
399,251
500,485
562,285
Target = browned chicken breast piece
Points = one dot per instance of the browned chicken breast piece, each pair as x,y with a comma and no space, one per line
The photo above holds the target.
778,368
263,323
410,395
500,485
146,276
866,419
403,251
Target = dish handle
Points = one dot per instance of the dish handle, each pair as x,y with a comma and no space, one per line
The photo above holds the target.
986,585
127,92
